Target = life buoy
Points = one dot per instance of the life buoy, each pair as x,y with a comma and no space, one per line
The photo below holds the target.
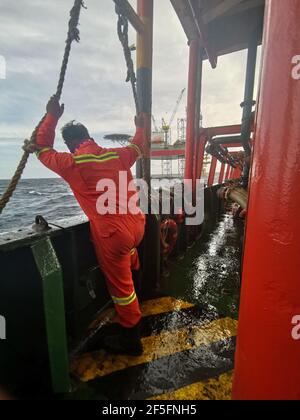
168,236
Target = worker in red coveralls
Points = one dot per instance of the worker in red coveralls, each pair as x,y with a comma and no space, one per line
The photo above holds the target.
115,236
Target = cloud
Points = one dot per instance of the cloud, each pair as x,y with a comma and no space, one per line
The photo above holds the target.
32,41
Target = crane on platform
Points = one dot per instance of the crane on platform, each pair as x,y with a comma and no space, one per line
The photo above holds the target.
154,124
166,127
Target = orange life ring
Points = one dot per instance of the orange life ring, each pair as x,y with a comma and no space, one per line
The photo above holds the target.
168,236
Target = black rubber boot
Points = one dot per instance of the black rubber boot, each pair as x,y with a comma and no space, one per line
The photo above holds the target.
127,342
94,341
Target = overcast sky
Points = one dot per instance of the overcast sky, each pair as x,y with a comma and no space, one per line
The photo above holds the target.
32,40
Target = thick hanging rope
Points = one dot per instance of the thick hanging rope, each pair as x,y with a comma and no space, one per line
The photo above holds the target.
123,37
29,145
131,77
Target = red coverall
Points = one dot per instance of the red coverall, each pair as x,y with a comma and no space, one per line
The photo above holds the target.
116,236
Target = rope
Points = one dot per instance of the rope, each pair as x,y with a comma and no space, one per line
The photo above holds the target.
29,145
131,77
123,37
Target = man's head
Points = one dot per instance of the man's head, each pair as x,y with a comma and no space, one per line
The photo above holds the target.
74,134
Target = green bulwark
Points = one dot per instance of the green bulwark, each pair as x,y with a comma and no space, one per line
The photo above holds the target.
54,307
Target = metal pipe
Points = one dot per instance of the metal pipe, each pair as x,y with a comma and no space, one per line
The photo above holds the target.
203,37
212,172
151,244
236,195
232,145
226,140
200,156
199,150
223,130
144,79
227,172
222,171
248,97
191,110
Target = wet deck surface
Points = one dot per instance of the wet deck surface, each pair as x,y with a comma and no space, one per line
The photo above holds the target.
188,334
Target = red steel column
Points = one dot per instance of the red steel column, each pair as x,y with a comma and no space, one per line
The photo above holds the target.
231,172
151,265
227,172
199,142
200,156
222,171
268,357
237,173
191,109
144,78
212,171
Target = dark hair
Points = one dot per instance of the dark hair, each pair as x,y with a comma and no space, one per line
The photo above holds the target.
74,133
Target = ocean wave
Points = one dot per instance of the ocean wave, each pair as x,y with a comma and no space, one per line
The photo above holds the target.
63,201
35,193
62,195
51,198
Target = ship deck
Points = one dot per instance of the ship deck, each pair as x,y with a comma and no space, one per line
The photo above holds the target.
188,332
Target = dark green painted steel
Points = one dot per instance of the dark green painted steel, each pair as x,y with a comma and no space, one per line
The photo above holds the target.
54,307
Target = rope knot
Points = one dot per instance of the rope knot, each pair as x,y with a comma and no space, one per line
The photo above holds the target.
74,34
29,146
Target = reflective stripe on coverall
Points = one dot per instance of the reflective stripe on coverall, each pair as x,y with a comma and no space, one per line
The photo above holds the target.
115,236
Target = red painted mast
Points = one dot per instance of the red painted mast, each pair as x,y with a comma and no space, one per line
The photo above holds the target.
191,110
268,358
199,142
144,78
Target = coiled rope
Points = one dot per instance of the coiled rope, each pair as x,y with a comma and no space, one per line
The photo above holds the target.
29,145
